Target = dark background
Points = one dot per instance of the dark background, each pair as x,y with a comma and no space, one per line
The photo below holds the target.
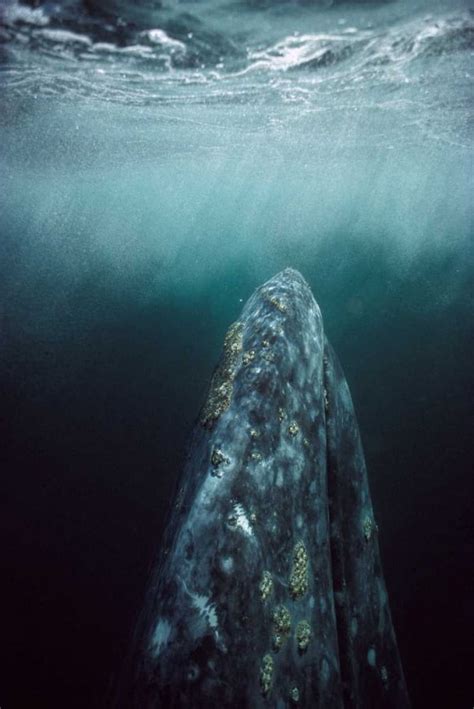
94,424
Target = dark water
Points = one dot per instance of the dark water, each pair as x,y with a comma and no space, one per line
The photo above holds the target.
149,182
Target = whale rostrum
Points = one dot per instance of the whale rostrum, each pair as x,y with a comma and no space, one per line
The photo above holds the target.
269,590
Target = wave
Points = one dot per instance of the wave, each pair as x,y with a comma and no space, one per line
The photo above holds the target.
182,40
423,38
186,48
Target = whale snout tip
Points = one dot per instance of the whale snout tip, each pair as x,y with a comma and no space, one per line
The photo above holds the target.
289,278
292,273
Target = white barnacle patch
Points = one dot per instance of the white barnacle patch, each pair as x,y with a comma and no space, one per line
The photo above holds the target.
241,519
297,468
371,657
272,523
206,609
227,564
325,673
211,616
206,613
160,636
238,519
354,627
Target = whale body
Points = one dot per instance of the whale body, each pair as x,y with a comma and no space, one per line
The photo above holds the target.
269,590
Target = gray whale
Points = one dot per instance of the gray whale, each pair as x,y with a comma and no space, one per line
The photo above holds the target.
269,590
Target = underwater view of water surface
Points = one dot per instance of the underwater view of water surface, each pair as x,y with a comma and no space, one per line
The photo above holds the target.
159,161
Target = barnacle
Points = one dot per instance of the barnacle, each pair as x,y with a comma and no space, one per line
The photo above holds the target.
282,626
218,457
277,641
293,428
222,383
294,695
299,571
266,585
282,619
266,674
248,357
369,527
278,303
303,635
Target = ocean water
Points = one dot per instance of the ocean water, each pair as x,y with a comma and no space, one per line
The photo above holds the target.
158,162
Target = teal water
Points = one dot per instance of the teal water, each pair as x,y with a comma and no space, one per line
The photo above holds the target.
157,165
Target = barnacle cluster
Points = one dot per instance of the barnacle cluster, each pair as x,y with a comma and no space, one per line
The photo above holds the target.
282,626
266,674
368,526
277,303
303,635
218,457
293,428
248,357
222,383
299,571
179,498
266,585
294,695
281,414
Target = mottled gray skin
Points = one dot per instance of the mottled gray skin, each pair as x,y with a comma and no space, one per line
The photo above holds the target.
274,468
